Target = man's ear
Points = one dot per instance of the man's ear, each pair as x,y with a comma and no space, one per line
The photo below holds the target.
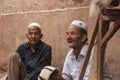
84,37
41,35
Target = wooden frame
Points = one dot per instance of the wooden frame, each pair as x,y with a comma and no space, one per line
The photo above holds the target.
105,33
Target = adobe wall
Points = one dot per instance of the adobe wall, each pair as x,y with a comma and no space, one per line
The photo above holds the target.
54,24
54,16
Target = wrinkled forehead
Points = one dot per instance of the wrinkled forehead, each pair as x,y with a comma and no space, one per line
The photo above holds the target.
34,28
73,28
34,24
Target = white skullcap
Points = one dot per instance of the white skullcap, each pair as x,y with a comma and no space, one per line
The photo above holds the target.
46,72
80,24
34,24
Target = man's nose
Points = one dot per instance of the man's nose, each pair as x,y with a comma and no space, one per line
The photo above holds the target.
33,35
68,35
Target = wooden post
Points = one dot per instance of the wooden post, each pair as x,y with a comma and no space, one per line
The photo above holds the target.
104,35
103,28
110,34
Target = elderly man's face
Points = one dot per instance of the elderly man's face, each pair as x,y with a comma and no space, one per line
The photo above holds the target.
34,35
74,37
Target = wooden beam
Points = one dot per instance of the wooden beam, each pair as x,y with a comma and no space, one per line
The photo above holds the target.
110,34
103,28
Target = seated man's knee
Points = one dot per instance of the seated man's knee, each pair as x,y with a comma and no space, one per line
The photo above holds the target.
14,56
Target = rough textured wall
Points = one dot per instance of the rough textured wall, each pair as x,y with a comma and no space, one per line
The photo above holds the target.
14,6
54,16
9,29
54,24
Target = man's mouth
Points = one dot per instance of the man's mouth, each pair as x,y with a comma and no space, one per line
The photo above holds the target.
70,41
33,40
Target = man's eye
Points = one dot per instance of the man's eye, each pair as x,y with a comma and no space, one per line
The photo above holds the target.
30,33
36,33
73,33
33,33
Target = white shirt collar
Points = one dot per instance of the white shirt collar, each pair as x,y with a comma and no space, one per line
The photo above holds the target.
82,52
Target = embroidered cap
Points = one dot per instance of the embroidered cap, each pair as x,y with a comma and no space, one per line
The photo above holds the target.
80,24
46,72
34,24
